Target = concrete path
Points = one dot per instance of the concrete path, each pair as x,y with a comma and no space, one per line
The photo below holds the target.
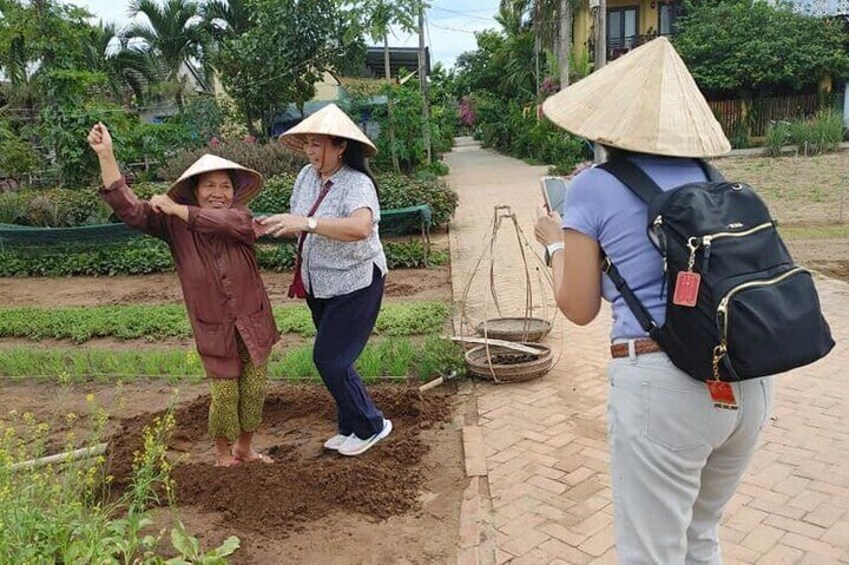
536,452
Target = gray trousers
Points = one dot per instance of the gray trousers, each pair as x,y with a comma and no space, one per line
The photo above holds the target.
675,458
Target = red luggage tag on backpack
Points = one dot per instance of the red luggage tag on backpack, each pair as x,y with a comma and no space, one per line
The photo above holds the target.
687,289
722,395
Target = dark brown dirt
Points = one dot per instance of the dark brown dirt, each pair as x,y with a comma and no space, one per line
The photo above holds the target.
828,256
834,269
512,358
418,284
304,483
397,503
401,284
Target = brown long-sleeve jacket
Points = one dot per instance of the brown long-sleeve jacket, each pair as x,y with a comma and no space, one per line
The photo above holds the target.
216,263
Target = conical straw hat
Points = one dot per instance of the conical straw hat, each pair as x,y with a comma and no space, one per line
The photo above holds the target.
330,120
249,181
645,101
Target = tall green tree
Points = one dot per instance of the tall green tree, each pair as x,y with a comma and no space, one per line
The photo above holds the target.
476,70
746,49
37,38
174,34
379,17
551,22
271,65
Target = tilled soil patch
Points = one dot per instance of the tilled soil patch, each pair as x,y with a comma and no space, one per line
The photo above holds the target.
305,483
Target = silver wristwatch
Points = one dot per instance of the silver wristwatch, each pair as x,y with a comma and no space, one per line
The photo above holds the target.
312,224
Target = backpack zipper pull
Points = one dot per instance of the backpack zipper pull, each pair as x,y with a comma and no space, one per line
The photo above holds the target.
706,257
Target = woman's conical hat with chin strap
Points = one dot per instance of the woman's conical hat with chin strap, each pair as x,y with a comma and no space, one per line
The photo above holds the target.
249,181
646,101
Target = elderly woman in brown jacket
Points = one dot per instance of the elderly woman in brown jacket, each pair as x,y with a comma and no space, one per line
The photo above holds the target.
211,234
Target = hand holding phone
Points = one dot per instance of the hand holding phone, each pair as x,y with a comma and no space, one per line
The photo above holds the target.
554,191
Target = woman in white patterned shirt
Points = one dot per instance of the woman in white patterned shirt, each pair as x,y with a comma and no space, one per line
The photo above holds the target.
340,267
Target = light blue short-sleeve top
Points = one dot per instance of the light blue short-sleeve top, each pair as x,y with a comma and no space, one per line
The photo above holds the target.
599,206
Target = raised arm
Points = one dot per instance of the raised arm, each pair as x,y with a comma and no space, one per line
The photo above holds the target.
136,213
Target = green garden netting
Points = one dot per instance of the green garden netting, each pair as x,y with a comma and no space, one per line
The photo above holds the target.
407,221
397,222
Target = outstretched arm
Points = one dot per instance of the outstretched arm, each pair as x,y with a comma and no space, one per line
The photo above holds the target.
356,227
135,213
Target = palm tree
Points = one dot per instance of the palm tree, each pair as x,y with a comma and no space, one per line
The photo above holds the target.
222,20
226,16
565,19
552,24
125,66
520,80
173,33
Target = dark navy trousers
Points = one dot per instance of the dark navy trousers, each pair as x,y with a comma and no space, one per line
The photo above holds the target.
343,326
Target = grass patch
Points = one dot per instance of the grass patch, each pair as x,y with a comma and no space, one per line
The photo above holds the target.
70,365
798,190
170,321
825,231
394,356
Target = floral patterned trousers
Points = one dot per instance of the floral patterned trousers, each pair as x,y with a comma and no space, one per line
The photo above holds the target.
236,405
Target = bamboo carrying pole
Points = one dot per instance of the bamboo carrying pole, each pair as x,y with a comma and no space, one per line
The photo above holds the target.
498,343
82,453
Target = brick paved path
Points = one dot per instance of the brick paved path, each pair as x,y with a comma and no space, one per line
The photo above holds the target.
537,456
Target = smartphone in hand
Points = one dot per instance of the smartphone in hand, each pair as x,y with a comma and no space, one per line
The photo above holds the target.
554,191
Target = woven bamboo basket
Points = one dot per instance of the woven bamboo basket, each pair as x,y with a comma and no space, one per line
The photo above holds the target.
514,329
501,364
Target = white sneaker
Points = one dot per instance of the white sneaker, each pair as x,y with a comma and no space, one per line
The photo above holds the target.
355,446
335,442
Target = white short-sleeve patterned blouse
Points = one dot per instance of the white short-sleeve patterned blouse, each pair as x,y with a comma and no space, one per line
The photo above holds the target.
330,267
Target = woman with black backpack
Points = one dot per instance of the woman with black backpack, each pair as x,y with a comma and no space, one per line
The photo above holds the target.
679,445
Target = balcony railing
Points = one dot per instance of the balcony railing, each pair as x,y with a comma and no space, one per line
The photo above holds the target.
618,46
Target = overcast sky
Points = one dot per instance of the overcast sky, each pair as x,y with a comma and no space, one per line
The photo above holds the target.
451,24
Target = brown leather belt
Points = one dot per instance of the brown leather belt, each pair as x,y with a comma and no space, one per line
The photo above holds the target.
641,347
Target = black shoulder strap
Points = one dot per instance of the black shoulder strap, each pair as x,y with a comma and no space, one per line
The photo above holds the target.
633,177
637,308
643,186
711,172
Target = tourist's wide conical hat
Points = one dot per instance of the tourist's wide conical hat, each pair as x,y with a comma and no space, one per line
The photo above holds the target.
646,101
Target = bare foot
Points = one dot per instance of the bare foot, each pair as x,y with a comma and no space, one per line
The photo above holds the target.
226,461
251,456
243,450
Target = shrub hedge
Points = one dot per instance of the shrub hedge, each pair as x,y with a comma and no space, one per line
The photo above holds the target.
147,255
396,191
67,208
515,130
